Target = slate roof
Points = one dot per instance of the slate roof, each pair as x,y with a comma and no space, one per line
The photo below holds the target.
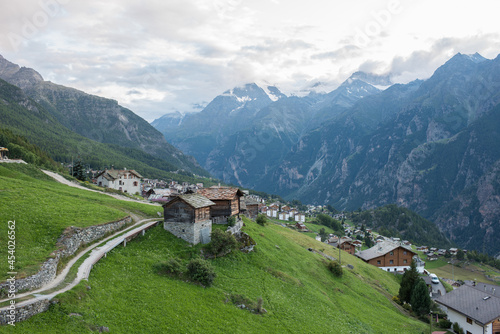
251,201
220,193
196,201
380,249
113,174
473,302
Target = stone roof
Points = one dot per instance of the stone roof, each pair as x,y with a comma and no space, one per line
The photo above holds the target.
474,302
114,174
220,193
251,201
380,249
196,201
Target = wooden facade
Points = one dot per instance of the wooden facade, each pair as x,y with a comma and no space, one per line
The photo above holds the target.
348,246
227,200
188,217
394,258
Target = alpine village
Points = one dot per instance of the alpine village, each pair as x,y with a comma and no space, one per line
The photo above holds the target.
370,208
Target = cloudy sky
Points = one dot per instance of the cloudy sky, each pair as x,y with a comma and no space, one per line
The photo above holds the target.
159,56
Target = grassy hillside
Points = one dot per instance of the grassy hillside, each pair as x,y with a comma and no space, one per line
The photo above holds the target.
42,208
300,295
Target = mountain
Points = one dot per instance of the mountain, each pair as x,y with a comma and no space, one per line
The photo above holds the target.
96,118
245,132
427,145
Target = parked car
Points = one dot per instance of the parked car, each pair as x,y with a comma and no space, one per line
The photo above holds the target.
434,279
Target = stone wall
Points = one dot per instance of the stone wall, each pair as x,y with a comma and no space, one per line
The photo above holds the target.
188,231
71,239
23,312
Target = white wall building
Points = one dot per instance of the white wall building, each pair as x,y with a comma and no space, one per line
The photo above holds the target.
475,308
128,181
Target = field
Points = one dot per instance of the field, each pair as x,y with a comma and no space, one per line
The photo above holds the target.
43,208
298,292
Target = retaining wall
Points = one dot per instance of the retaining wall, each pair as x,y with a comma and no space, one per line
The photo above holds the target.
71,239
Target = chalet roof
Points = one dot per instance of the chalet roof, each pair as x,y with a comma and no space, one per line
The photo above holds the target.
113,174
220,193
473,302
380,249
196,201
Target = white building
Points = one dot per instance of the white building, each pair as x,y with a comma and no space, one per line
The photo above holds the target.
300,217
475,308
128,181
284,216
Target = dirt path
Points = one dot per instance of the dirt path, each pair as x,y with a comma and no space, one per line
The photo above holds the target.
61,179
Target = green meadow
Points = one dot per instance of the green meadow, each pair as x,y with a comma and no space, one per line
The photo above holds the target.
42,208
126,294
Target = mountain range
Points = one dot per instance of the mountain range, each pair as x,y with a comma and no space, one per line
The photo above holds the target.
69,123
428,145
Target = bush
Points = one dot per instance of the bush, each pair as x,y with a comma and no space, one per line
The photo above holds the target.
335,268
444,323
261,220
201,271
221,242
457,328
172,267
231,221
396,300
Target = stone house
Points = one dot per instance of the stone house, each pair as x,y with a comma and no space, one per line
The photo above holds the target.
388,256
475,308
227,202
188,217
126,180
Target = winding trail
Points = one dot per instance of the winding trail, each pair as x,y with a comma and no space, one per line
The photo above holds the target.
97,251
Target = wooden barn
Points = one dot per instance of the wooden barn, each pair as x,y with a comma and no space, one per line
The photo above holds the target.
188,217
226,199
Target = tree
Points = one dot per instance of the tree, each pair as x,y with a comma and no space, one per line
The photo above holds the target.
368,241
335,268
420,299
460,255
410,279
323,234
79,170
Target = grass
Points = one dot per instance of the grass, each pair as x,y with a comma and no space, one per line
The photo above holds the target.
42,208
470,272
298,292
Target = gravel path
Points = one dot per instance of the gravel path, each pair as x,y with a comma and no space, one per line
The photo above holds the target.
63,180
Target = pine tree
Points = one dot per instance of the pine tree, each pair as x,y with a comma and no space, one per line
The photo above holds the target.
408,282
79,170
420,299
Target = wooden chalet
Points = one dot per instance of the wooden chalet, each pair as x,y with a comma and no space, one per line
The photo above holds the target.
188,217
226,199
252,207
388,256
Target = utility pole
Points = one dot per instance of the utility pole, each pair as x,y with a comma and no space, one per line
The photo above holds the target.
430,324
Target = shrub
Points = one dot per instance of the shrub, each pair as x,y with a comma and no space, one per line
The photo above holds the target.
231,221
172,267
396,300
261,220
221,242
335,268
457,328
201,271
444,323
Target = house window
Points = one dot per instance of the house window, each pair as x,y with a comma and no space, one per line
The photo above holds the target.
378,261
469,321
404,261
391,262
391,253
135,183
469,332
404,252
